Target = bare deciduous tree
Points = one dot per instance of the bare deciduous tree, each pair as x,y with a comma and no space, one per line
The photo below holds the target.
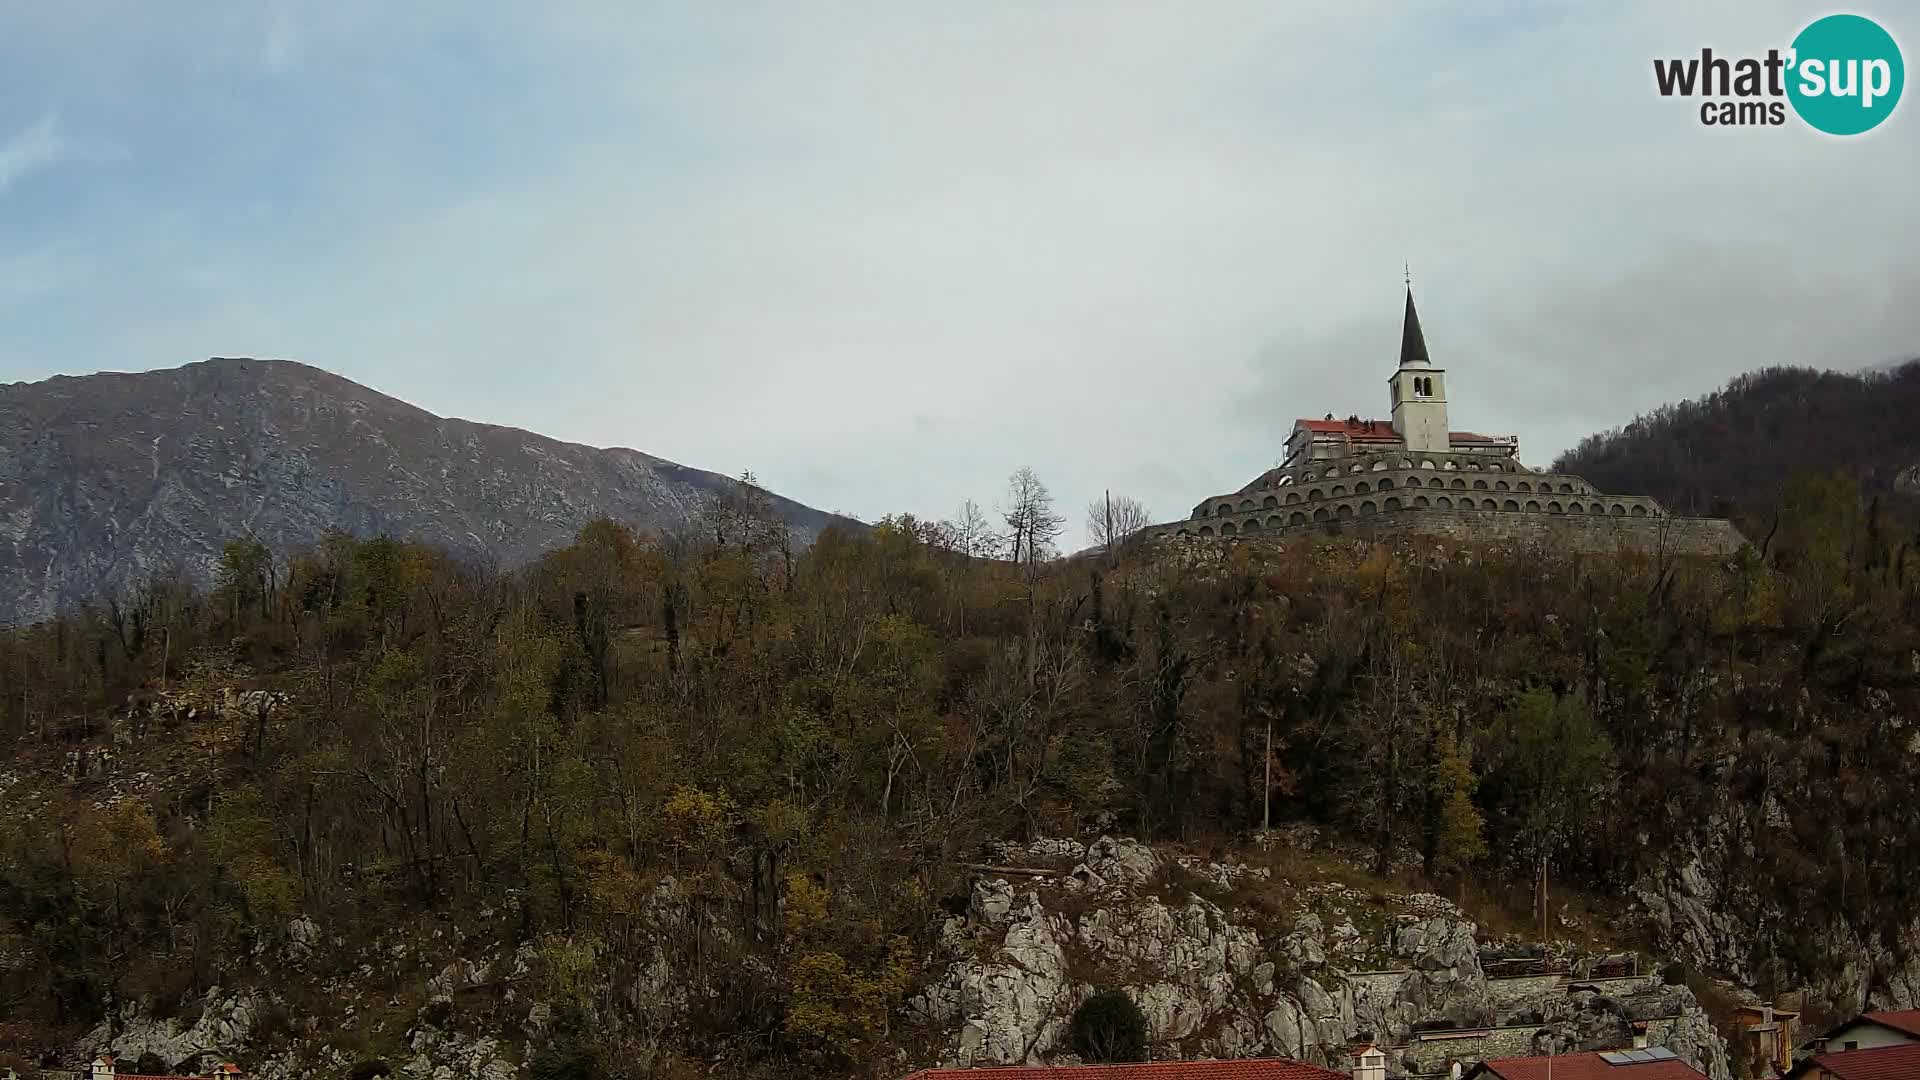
970,532
1112,519
1032,523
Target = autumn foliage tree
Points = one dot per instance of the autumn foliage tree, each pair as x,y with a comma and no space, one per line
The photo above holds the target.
791,754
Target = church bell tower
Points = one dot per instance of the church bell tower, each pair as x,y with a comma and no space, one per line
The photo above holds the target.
1419,390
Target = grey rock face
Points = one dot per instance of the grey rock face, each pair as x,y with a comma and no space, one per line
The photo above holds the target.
1115,864
1011,1003
108,478
1704,911
1446,981
224,1024
1212,983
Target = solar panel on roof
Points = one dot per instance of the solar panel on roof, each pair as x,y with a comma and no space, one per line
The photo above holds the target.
1638,1057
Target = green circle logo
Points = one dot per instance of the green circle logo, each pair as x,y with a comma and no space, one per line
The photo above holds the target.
1846,74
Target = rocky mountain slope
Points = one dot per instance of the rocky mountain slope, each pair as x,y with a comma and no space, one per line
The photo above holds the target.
109,477
1283,947
1235,954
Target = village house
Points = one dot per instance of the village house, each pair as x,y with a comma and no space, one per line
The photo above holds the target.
1897,1062
1651,1063
1869,1031
104,1068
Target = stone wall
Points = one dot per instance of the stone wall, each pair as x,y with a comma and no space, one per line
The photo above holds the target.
1374,483
1506,993
1431,1054
1599,535
1593,534
1509,992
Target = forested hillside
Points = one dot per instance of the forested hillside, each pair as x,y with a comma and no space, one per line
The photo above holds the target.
1731,452
813,746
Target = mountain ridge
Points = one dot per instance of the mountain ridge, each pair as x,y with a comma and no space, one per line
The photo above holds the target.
110,476
1731,451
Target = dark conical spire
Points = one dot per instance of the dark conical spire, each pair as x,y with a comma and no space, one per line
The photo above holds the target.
1413,344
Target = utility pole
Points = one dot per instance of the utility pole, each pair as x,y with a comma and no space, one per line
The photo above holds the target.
1543,897
1110,552
1266,784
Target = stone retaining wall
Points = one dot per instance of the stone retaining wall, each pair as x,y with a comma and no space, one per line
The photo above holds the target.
1506,993
1676,535
1510,991
1432,1053
1593,534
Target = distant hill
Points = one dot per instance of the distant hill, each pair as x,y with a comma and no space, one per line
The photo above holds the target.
1730,452
104,478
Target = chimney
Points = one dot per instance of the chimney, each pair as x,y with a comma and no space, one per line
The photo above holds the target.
226,1070
102,1068
1639,1040
1369,1063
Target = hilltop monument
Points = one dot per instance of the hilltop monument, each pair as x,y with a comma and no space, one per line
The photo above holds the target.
1413,473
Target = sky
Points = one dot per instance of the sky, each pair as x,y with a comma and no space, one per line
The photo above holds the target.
882,254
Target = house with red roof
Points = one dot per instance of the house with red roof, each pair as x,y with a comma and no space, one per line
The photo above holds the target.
1413,473
1872,1030
1900,1061
105,1068
1238,1069
1653,1063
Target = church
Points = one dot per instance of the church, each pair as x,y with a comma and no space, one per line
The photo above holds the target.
1412,473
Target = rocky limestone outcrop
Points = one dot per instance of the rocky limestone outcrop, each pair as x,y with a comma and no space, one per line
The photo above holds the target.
1220,968
1011,997
223,1027
1445,981
420,1038
1704,910
1215,981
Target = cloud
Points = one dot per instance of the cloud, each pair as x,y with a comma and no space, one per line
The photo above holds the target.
40,145
883,258
281,49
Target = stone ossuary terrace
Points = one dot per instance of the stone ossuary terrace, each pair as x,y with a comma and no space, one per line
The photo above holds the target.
1412,474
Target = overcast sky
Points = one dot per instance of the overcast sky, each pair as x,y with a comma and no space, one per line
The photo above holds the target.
884,253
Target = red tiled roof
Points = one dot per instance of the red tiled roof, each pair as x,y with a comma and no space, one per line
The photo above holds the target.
1244,1069
1382,430
1907,1020
1881,1063
1586,1067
